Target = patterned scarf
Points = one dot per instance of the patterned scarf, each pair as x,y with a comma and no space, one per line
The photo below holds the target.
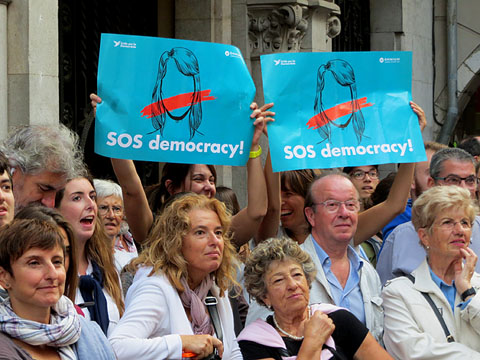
64,328
193,300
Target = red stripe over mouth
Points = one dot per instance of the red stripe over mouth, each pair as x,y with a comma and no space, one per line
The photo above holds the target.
336,112
175,102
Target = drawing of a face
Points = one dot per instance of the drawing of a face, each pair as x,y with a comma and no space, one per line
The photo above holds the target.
343,74
182,85
175,68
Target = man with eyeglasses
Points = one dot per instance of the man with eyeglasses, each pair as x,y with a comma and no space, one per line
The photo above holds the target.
401,252
342,277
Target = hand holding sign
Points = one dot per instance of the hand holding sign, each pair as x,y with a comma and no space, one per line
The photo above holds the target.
162,97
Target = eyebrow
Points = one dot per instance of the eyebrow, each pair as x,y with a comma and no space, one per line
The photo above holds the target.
3,181
48,187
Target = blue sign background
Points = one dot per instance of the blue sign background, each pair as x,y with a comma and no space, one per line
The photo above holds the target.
391,133
128,72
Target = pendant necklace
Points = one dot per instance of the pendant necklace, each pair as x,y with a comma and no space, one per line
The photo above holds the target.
286,333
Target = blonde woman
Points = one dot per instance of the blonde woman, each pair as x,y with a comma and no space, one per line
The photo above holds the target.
189,255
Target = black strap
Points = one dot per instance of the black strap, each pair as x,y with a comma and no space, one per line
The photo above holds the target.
211,303
435,310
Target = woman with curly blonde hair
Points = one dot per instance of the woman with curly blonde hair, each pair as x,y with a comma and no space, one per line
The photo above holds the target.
189,255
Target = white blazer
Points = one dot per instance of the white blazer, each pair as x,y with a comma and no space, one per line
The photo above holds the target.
154,319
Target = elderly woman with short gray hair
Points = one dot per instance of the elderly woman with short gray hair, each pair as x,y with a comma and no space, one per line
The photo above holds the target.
434,312
278,274
112,212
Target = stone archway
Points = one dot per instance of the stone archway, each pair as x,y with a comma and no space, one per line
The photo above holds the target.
468,75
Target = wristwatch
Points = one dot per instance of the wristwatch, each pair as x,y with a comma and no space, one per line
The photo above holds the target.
468,293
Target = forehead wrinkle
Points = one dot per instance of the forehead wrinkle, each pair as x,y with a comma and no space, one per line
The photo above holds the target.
320,191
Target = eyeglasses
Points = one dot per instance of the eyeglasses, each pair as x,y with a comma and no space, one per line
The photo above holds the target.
360,174
334,205
449,224
105,209
471,180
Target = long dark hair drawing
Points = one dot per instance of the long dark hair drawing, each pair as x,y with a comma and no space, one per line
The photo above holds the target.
187,64
343,73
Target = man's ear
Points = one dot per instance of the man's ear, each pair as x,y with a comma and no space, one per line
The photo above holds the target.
430,182
310,215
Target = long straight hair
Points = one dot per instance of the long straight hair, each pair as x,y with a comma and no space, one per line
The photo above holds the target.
187,64
343,73
99,249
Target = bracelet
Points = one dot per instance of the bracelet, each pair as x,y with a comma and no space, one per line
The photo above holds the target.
467,293
255,154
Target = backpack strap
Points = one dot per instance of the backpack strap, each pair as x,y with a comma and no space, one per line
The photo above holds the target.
435,310
211,303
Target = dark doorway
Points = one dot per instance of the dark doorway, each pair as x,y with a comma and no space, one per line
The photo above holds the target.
355,19
80,25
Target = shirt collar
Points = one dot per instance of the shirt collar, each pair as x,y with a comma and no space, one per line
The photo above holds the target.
439,282
352,255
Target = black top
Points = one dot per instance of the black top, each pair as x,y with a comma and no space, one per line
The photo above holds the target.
348,335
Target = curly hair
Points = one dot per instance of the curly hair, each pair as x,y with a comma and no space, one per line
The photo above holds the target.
164,244
439,199
274,249
36,148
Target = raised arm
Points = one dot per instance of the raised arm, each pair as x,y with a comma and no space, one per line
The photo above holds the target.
138,213
271,221
374,219
245,224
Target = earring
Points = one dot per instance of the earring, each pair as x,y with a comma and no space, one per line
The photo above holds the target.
428,248
7,286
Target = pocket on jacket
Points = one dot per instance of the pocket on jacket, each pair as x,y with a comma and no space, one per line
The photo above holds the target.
378,301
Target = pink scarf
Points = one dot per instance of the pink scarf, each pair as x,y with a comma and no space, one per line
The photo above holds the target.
193,300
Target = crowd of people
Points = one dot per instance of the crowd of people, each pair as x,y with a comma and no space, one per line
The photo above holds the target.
320,264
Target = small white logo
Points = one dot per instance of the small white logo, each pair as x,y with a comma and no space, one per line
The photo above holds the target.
123,44
233,54
387,60
284,62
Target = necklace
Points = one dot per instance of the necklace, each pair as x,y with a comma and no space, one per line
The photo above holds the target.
286,333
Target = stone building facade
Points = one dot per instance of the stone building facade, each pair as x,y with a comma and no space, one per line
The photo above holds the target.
34,74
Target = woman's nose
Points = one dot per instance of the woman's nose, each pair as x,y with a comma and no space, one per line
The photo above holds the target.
51,272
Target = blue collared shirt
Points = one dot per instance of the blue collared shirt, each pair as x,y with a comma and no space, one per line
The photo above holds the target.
449,291
349,297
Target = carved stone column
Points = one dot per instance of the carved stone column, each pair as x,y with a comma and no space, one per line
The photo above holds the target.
276,26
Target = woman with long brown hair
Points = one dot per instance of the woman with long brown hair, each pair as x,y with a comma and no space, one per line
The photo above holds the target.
99,290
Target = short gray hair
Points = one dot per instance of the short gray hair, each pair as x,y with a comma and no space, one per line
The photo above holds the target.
105,188
439,199
36,148
268,251
455,154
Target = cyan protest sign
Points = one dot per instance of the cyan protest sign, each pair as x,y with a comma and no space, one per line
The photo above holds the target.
173,100
341,109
